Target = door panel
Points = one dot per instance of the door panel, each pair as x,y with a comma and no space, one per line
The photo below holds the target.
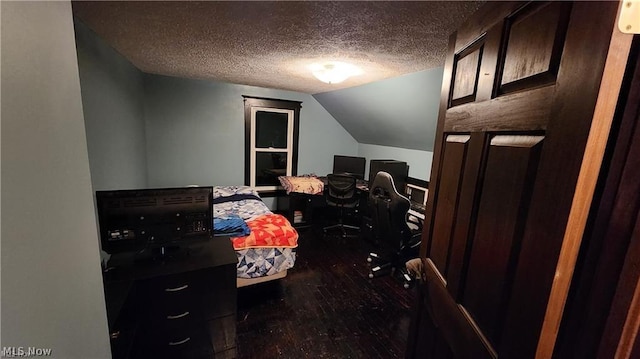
467,72
519,90
457,328
466,213
534,38
511,166
454,155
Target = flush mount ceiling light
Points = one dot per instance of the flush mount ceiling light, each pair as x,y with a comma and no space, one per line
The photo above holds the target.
334,72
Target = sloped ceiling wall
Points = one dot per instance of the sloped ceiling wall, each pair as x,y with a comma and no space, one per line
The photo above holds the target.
399,112
271,43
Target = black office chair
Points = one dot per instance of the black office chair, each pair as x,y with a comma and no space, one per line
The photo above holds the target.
392,231
341,194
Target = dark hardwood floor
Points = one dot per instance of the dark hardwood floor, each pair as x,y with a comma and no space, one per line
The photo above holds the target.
326,307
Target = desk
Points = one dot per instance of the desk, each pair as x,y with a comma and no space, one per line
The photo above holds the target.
299,207
184,306
416,214
361,185
417,210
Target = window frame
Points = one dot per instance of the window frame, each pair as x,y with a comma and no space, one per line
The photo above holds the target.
251,106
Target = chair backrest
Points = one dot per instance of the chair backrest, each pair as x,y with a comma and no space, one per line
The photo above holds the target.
341,190
388,210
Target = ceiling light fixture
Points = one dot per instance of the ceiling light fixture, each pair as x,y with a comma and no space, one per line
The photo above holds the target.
334,72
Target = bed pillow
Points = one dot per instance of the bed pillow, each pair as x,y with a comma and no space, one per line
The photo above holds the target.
226,191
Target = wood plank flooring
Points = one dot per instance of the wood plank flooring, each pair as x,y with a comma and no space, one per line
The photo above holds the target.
326,307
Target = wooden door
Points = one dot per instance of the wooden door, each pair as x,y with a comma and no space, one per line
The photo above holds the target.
519,91
602,315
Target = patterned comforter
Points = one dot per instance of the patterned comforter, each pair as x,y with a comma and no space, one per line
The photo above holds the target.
271,245
240,201
269,230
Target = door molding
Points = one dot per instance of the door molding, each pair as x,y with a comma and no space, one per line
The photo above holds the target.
612,77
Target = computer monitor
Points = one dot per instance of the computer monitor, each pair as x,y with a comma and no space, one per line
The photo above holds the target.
398,170
353,166
134,220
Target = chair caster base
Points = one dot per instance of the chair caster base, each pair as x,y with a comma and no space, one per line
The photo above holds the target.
408,281
373,257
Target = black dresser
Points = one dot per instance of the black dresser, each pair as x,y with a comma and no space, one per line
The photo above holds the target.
181,305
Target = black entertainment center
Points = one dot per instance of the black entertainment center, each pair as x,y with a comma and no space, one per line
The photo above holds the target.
148,221
170,288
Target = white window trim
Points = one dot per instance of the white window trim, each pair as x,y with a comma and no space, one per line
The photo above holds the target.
254,150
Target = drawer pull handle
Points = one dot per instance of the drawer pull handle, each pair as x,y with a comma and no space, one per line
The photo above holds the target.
180,342
177,316
177,289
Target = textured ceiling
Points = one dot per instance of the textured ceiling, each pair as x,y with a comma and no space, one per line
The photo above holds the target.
271,44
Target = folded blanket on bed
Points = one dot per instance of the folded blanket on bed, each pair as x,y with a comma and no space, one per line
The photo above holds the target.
302,184
232,226
269,230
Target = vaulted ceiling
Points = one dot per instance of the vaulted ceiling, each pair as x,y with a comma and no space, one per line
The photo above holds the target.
272,43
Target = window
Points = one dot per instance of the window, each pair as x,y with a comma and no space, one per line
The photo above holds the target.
271,141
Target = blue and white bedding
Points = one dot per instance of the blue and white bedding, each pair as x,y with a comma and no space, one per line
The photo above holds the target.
241,201
260,262
245,202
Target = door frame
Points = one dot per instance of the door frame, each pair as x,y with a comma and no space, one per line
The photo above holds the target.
603,117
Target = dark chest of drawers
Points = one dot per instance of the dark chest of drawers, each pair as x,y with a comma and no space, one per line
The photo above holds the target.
176,306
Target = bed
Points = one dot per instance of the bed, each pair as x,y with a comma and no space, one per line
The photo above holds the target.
265,242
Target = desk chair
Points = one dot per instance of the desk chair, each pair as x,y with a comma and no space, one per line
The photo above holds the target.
341,194
396,238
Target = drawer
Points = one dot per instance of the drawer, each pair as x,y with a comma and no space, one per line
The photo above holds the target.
175,284
168,296
184,340
174,316
172,305
204,295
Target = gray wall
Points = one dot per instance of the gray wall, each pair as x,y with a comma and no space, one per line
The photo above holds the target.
52,293
195,132
156,131
112,99
419,161
399,112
